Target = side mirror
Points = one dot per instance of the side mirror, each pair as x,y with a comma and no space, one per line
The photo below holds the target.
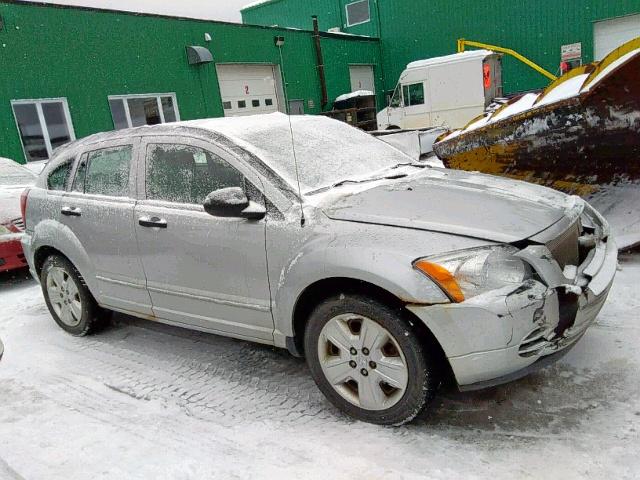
232,202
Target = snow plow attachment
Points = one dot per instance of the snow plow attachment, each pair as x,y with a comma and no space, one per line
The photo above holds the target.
580,135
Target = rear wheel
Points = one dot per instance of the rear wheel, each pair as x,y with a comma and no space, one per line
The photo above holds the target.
368,360
67,297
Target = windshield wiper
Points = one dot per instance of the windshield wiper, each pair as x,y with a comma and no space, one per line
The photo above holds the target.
364,180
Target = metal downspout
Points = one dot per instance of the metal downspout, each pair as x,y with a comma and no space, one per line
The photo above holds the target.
320,62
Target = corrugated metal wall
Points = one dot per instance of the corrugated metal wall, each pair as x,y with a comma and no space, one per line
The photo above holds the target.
535,28
417,29
86,55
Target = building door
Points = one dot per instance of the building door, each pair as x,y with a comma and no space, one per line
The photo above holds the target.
247,89
610,34
362,78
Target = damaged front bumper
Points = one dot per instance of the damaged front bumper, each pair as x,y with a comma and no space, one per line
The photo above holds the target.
506,334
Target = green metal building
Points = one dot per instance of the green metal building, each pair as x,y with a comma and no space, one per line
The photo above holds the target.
67,72
418,29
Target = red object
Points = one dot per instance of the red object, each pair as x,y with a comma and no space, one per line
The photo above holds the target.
23,205
486,75
564,67
11,255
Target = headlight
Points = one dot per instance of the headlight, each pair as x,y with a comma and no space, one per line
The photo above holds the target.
467,273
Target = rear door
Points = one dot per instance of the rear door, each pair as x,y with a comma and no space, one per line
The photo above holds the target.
203,271
99,210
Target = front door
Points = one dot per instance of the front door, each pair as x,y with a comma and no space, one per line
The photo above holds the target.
98,209
203,271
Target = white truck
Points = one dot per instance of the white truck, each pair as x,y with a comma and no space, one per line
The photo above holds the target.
444,91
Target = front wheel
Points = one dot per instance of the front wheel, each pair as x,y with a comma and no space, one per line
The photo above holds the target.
368,360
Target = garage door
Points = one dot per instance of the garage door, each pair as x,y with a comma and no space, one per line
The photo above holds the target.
247,89
362,78
610,34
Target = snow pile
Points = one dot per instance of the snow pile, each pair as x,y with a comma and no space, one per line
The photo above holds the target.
358,93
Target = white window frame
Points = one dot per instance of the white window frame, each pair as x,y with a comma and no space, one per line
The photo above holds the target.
158,97
43,125
346,12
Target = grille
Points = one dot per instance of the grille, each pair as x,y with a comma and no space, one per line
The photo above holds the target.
18,223
565,247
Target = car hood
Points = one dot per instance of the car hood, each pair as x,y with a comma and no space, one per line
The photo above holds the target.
452,201
10,203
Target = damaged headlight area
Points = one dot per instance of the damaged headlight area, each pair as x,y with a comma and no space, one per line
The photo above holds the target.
467,273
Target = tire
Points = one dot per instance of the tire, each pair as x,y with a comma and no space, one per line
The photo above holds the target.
353,390
70,297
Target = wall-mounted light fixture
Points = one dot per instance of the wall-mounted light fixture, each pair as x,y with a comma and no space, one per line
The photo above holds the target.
278,40
198,55
207,37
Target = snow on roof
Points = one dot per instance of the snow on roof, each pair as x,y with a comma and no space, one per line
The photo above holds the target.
326,150
359,93
469,55
191,9
256,4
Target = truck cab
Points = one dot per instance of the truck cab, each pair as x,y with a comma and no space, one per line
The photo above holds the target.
444,91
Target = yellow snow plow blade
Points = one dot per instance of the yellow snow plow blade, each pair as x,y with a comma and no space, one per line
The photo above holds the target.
580,135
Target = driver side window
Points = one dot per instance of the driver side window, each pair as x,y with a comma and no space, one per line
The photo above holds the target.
185,174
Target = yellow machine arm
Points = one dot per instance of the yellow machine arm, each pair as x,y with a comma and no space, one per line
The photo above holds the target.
462,43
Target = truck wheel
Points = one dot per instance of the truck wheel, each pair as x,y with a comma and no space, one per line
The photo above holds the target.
368,360
67,297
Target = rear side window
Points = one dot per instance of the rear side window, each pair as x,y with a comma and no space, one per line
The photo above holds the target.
107,172
184,174
57,179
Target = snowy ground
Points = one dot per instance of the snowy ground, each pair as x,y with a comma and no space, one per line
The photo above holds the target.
143,400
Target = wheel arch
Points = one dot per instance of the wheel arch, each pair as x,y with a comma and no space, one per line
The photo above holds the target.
326,288
53,238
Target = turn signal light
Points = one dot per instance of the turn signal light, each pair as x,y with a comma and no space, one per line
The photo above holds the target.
443,278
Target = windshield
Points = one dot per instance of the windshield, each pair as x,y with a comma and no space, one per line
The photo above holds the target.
12,174
327,151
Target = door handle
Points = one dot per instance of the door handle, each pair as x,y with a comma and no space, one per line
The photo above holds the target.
153,222
71,211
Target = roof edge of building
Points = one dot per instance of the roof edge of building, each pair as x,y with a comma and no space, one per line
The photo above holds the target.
181,17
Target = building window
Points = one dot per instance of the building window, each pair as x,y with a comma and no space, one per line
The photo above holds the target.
242,104
357,13
227,105
268,102
44,125
413,94
137,110
255,103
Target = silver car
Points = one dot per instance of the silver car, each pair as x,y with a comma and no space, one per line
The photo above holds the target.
388,275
